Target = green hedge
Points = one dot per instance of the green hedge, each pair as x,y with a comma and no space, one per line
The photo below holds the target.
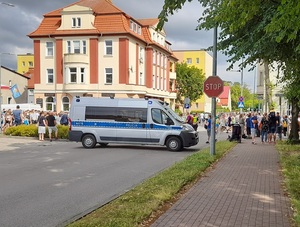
32,131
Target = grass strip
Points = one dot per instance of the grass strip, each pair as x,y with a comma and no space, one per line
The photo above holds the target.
137,205
290,163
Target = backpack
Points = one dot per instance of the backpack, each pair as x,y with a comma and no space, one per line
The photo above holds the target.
64,119
284,123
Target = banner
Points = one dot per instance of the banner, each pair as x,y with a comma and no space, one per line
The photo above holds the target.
15,91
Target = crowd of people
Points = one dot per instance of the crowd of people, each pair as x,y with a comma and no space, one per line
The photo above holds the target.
42,119
269,127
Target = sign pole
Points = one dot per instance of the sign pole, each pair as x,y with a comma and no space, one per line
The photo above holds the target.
213,100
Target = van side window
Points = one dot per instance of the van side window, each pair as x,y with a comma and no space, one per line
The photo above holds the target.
125,114
160,117
100,113
120,114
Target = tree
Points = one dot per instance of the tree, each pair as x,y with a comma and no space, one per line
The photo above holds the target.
250,30
189,82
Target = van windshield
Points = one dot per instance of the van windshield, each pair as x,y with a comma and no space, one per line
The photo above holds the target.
173,113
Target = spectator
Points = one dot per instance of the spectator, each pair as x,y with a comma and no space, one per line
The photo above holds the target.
51,123
285,125
42,126
18,116
272,127
208,128
264,128
253,126
8,120
64,120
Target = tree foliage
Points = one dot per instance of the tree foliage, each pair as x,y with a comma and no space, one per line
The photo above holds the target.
189,82
255,31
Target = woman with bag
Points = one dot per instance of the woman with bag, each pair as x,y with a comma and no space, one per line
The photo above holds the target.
264,125
42,126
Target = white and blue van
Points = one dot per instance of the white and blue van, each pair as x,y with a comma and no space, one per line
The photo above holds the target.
128,121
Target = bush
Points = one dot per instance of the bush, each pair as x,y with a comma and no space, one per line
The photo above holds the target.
32,131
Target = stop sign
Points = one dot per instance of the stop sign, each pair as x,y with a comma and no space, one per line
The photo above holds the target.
213,86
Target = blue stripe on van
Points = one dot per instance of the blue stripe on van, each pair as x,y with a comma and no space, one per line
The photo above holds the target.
133,125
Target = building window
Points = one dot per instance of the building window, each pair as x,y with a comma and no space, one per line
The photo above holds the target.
76,22
30,64
189,61
139,31
82,75
73,75
76,47
108,75
66,104
49,48
50,104
197,60
108,47
131,25
23,63
154,36
84,46
141,79
50,76
76,75
154,57
153,81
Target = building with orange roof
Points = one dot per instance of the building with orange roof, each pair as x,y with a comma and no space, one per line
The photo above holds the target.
92,48
201,59
224,99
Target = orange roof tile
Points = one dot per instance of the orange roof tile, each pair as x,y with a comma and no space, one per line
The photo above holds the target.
148,22
108,20
225,93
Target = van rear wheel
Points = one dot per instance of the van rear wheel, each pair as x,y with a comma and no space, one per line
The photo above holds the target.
89,141
174,144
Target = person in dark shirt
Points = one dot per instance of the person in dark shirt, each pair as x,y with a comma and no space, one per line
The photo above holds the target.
278,126
18,116
272,127
51,122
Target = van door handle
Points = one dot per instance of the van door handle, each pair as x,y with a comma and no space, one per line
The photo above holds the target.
151,125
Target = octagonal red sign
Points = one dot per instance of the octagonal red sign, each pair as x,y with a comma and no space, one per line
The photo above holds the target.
213,86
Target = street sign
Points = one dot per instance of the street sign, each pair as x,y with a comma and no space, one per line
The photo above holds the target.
241,105
187,100
187,106
241,98
213,86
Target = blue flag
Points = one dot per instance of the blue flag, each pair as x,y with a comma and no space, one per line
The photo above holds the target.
15,91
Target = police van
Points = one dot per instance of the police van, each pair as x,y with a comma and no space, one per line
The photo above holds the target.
128,121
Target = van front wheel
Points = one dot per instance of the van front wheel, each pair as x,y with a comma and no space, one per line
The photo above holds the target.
89,141
174,144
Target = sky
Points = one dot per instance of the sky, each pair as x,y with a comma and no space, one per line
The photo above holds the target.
18,21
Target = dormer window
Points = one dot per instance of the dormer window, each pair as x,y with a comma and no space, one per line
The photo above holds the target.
76,22
135,27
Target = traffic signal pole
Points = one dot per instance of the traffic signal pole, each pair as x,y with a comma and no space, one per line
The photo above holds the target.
213,99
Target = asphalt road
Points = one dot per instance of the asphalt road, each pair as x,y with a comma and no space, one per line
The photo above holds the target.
53,183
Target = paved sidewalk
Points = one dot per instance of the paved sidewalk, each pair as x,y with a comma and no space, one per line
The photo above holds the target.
13,142
244,189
